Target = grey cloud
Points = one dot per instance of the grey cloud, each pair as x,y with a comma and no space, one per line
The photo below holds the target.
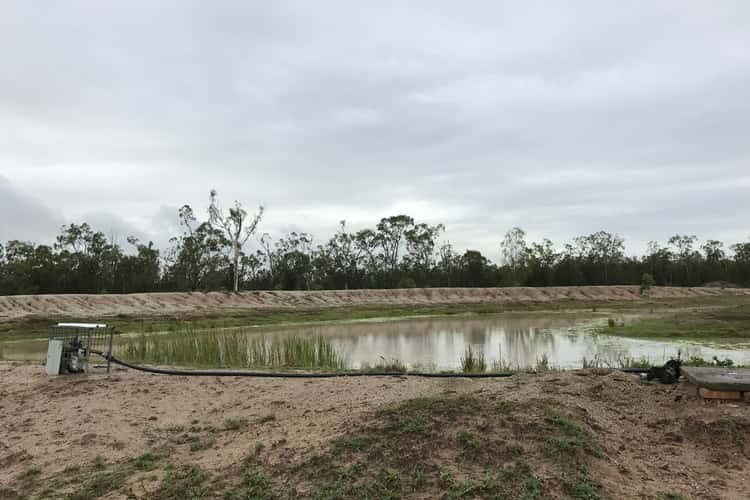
563,119
23,217
114,227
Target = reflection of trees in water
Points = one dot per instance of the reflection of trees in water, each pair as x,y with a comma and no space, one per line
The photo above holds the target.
520,341
478,335
523,347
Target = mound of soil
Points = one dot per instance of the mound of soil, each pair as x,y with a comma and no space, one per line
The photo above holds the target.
585,434
143,305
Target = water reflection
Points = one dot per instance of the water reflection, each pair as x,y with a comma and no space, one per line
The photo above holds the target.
517,342
440,343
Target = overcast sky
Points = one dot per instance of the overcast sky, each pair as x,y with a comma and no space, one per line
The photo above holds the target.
632,117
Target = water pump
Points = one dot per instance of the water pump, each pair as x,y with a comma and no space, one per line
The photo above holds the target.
70,345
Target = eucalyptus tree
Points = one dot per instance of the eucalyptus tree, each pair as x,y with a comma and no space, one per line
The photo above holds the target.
541,259
600,249
448,264
251,269
474,268
513,249
421,240
608,249
266,250
140,271
742,262
713,251
715,261
391,232
367,243
236,226
293,258
345,254
684,251
89,259
198,258
658,262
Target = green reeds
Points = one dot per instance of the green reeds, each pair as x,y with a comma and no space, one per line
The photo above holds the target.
232,349
391,365
473,361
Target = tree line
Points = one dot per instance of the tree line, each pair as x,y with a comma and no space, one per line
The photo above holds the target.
398,252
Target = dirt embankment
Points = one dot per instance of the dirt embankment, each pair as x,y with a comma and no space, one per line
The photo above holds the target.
20,307
585,434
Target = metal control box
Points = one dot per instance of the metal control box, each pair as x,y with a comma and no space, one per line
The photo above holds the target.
54,357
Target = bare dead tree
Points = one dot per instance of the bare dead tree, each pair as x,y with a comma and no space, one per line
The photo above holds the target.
236,226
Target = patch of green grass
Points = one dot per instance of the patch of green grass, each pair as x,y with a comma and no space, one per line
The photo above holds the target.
353,443
671,496
438,406
235,424
256,485
404,424
99,463
564,423
202,443
404,452
574,439
701,324
516,482
184,483
29,474
146,462
581,487
418,477
99,485
469,442
7,493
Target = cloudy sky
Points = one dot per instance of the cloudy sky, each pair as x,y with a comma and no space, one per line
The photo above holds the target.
628,116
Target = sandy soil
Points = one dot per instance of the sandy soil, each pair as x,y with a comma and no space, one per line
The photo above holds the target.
14,308
654,438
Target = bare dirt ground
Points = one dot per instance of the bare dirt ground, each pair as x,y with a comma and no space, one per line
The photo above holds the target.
141,305
631,439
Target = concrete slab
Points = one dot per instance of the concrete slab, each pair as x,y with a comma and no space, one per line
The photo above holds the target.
718,379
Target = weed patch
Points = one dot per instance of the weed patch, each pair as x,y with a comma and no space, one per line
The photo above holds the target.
99,485
146,461
184,483
446,446
235,424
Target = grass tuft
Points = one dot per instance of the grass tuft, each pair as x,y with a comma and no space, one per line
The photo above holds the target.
235,424
146,461
188,482
473,361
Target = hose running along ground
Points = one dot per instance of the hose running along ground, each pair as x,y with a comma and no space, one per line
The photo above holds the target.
232,373
262,374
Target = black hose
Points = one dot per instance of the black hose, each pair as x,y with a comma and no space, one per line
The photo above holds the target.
230,373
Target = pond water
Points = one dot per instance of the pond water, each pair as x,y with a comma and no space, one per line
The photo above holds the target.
439,343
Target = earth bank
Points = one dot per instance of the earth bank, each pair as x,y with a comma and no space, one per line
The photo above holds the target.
582,434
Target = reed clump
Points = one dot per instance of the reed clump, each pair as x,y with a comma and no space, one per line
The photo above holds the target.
233,349
473,361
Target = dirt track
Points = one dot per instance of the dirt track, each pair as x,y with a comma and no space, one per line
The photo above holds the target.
653,438
13,308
